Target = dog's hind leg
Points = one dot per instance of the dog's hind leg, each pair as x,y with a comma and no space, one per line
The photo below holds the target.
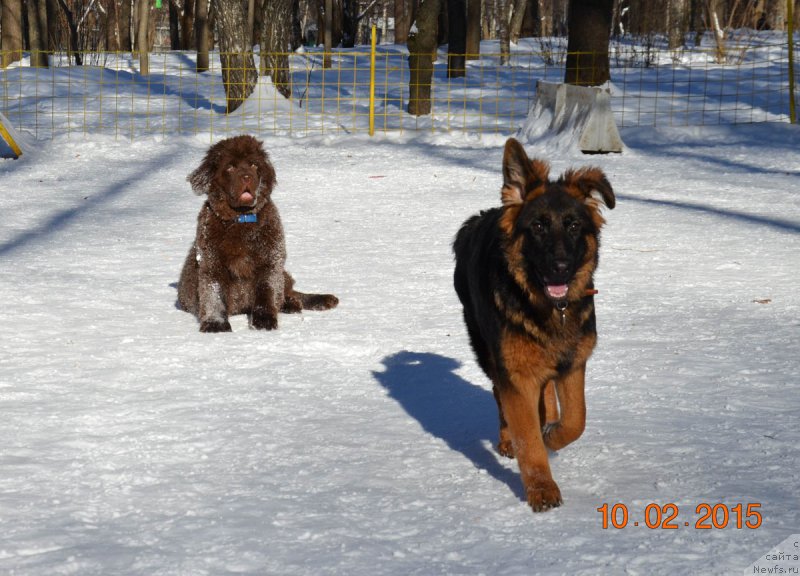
548,405
504,445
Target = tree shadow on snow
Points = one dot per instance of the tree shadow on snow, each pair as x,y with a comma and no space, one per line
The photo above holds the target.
782,224
448,407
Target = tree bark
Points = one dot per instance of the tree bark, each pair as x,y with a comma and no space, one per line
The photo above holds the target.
589,24
297,26
239,74
11,23
402,21
276,36
328,34
517,18
349,22
174,27
187,25
202,35
112,26
125,14
421,54
677,23
775,15
502,9
456,38
473,29
545,14
37,30
74,48
142,45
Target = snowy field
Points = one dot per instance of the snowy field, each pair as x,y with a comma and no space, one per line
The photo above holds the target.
359,441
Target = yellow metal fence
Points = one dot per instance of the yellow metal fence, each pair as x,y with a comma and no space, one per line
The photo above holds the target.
365,91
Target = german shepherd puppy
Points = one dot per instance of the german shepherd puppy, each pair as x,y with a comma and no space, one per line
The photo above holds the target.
524,277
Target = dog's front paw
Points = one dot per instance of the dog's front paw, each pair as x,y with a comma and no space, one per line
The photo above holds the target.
544,495
215,326
262,319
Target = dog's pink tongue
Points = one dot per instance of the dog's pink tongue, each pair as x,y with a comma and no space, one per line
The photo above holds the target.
557,291
246,197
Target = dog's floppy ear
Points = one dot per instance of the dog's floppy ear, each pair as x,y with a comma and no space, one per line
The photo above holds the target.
521,175
591,187
583,183
200,178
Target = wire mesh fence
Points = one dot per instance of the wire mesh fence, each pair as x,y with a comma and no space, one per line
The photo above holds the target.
107,94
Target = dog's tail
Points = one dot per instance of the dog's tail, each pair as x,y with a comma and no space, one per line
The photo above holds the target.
295,301
317,301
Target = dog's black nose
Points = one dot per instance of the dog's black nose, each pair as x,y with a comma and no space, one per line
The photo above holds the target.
246,177
560,266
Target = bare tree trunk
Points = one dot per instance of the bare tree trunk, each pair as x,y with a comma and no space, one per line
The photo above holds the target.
239,74
297,28
402,21
47,13
487,22
587,44
328,29
74,48
503,8
251,19
457,38
187,28
696,20
276,35
37,29
775,14
473,29
125,17
677,23
174,26
11,24
142,46
545,16
349,23
517,18
421,54
112,26
202,34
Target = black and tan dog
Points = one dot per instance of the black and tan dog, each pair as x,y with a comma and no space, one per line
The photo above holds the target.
236,263
524,277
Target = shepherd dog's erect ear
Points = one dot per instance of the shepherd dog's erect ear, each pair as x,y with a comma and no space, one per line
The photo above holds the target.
522,176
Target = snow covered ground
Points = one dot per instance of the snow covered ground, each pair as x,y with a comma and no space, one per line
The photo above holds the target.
359,441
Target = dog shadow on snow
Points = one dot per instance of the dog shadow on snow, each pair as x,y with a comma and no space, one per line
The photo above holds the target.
448,407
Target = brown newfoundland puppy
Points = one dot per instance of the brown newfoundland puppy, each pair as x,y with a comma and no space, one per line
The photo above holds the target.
235,265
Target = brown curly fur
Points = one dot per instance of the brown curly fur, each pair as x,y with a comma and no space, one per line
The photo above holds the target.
238,267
